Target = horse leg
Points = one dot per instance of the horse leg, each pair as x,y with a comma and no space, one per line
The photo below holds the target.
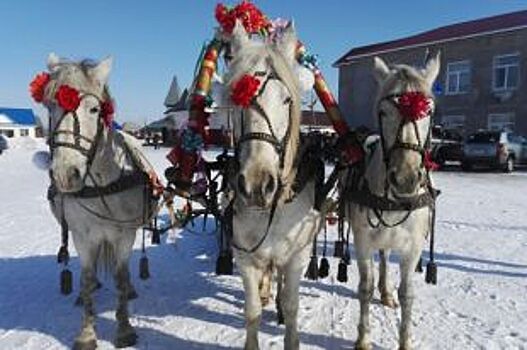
406,296
87,339
278,300
265,286
366,287
289,304
253,306
385,285
126,335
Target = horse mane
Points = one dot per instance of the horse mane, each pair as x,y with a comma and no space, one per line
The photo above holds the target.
285,72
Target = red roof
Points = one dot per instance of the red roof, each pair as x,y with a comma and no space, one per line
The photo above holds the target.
459,30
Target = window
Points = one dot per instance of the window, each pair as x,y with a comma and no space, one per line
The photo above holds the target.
24,132
458,77
453,121
7,132
506,72
501,121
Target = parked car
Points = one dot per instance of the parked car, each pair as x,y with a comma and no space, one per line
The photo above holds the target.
496,149
3,144
447,145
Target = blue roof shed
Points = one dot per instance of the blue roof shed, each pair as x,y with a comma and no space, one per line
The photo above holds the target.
20,116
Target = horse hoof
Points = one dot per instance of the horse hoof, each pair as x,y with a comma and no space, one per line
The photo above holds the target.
126,338
389,302
85,345
363,346
265,301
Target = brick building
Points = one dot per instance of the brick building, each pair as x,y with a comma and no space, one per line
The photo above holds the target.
483,78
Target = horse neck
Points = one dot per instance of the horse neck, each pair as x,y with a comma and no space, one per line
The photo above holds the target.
110,160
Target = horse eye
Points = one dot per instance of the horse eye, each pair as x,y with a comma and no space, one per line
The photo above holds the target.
94,110
287,100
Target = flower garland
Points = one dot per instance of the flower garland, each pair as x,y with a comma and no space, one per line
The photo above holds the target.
413,106
68,98
249,15
244,90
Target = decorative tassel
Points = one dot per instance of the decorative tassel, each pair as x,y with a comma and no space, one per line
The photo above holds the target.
312,269
339,249
431,273
156,236
224,265
66,285
347,256
323,271
144,274
342,274
419,266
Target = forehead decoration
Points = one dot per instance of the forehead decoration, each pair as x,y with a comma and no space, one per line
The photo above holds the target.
413,106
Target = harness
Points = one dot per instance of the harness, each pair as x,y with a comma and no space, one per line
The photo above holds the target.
356,187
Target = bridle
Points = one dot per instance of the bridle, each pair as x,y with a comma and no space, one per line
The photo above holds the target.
419,147
270,138
88,152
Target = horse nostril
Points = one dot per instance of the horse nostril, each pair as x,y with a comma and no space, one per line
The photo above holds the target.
241,185
74,173
270,186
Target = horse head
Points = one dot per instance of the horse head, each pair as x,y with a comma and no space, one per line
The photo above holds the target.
263,86
405,105
80,110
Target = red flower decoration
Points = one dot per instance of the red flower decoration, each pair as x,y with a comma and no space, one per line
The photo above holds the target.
68,98
38,86
429,164
413,106
107,112
244,90
250,16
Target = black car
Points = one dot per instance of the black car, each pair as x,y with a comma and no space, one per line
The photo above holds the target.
447,145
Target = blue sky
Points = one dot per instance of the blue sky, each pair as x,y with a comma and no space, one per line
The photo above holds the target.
152,40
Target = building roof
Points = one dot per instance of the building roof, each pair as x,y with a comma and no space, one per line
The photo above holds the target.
19,116
483,26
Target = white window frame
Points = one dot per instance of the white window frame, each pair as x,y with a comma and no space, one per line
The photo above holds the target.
457,91
510,126
495,66
24,132
453,125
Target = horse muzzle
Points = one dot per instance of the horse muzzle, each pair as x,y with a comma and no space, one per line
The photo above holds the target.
68,179
257,191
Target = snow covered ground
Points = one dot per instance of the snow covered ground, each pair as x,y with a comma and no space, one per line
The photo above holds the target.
479,303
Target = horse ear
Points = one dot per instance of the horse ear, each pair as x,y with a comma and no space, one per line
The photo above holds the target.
239,38
101,72
380,69
431,70
53,61
288,42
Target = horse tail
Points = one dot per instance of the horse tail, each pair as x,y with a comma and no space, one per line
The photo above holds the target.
107,261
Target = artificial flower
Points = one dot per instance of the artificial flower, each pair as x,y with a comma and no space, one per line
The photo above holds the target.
38,86
244,90
68,98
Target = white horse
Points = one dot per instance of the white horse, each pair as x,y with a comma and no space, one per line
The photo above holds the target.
390,201
98,189
273,224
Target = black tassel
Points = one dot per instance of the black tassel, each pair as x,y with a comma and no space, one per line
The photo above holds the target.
431,273
339,249
419,266
156,236
323,271
347,256
144,274
66,285
224,265
342,273
312,269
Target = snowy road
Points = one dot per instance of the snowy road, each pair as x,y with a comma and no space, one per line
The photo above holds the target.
480,301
